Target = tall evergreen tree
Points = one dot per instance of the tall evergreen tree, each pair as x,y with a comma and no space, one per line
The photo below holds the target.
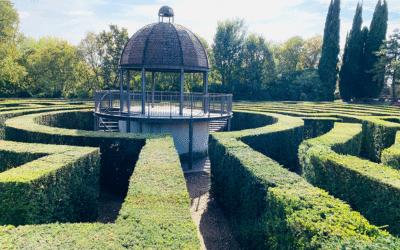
327,68
349,80
377,33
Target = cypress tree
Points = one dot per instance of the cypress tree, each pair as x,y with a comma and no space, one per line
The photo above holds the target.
376,35
349,73
327,68
360,88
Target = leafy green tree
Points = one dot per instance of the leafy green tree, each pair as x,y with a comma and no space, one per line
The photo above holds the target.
328,64
11,73
376,35
228,51
289,53
388,66
308,86
111,45
349,76
88,51
50,63
310,53
258,67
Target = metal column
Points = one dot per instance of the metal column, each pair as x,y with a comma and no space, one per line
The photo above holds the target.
182,92
143,91
152,89
128,101
128,91
121,90
205,92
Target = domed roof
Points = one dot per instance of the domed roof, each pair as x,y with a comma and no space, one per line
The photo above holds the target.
164,46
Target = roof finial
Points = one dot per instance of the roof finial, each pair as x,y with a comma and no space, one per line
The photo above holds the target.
166,11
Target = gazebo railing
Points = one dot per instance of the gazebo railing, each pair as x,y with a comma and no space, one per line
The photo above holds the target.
163,104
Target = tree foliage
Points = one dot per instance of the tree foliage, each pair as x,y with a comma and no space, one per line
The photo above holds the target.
11,73
51,66
227,47
349,76
388,65
241,63
376,36
289,54
310,53
328,64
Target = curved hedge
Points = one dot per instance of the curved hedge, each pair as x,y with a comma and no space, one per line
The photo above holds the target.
370,188
271,207
42,184
8,114
119,151
155,214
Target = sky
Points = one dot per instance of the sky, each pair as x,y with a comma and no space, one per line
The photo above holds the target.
275,20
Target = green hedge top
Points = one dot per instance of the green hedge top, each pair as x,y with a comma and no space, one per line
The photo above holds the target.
14,154
339,135
155,214
282,123
372,189
31,123
292,215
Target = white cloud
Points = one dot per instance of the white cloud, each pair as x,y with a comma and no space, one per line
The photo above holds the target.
276,21
80,13
23,14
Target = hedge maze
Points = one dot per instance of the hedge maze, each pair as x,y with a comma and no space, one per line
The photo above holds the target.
53,165
320,176
289,176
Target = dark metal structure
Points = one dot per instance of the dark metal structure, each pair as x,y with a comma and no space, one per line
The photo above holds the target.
163,47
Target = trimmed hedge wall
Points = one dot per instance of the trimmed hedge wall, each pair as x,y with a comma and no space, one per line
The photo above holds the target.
155,214
377,135
391,156
119,151
280,141
53,183
370,188
5,115
273,208
316,126
246,120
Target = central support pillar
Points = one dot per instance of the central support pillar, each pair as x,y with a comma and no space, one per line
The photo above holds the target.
182,92
143,91
152,89
205,92
128,92
121,91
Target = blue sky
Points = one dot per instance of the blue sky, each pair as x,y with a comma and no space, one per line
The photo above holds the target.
275,20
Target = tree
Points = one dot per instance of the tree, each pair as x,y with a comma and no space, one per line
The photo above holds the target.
50,63
289,54
308,86
388,65
258,67
227,52
88,51
376,35
11,73
310,53
328,64
111,45
349,76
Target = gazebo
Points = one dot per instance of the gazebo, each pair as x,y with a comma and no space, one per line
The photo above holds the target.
165,47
